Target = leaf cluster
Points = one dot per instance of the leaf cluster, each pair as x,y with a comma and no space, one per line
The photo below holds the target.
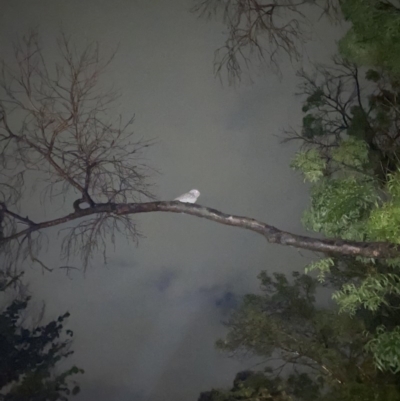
322,353
374,37
29,356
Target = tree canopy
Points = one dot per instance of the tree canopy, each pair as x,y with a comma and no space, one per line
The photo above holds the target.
308,352
350,154
29,357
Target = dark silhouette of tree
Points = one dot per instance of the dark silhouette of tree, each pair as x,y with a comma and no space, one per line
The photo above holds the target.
342,101
29,357
308,352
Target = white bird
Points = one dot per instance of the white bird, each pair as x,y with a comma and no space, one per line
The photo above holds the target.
189,197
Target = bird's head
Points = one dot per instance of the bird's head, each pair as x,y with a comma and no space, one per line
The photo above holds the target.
195,192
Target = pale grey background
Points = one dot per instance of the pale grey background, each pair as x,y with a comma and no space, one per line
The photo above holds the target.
145,326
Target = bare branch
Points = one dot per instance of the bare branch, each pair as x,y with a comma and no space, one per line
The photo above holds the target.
378,250
258,27
65,132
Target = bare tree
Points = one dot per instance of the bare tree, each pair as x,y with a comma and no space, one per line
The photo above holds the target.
259,28
55,126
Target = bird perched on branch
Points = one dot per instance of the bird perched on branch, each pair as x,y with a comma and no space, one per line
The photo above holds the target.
189,197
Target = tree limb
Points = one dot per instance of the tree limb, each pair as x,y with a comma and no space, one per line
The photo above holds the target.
378,250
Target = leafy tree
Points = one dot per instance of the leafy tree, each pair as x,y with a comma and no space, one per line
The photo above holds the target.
351,126
351,160
350,146
322,353
29,356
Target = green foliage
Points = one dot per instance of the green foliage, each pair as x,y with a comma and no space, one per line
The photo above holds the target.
354,208
386,349
351,152
359,124
312,126
285,317
322,266
393,187
371,293
384,221
40,385
313,101
363,392
310,164
29,356
374,37
340,207
327,348
395,262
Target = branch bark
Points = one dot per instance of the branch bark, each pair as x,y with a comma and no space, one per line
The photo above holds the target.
377,250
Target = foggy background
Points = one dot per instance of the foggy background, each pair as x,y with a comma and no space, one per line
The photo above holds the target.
145,324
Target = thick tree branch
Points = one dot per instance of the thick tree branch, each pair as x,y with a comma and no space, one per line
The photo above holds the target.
378,250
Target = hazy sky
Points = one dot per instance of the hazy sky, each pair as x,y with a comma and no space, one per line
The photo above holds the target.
145,325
